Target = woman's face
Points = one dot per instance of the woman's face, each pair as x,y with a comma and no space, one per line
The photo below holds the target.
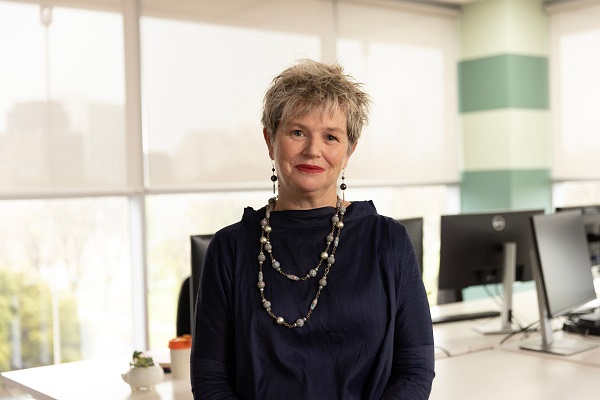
309,153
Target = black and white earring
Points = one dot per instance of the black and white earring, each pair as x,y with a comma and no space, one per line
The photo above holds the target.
343,185
273,176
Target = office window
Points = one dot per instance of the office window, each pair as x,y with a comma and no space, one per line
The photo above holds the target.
575,83
576,193
65,265
172,219
62,99
65,279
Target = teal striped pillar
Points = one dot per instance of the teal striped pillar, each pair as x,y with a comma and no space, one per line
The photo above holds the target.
504,106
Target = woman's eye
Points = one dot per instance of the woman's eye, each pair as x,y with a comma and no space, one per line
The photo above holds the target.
297,133
331,137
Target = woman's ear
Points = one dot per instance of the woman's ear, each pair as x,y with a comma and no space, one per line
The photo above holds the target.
268,142
350,152
352,149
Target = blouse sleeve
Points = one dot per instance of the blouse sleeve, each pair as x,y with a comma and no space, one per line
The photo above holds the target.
413,359
212,359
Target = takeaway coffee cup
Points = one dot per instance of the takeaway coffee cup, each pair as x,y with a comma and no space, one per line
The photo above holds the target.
180,349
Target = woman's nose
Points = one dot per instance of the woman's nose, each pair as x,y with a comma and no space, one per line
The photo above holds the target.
313,146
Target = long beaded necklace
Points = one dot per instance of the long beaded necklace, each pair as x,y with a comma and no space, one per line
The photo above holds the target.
332,239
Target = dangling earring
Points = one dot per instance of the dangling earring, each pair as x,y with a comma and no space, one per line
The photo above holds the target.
273,176
343,185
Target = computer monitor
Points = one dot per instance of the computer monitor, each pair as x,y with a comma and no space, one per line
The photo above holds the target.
591,219
472,249
482,249
563,277
199,245
414,227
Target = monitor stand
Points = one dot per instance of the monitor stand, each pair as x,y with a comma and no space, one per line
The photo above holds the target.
509,268
547,343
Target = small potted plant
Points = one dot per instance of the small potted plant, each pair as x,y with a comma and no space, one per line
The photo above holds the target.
143,373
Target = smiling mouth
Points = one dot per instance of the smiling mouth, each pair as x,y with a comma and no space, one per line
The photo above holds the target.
309,168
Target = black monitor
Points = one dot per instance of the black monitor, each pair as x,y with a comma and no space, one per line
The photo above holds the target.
414,227
483,249
591,219
563,276
199,245
472,249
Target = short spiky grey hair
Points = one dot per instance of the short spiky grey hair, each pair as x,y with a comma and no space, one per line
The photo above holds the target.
310,85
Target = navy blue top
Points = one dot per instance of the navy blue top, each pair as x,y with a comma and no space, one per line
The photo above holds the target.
369,337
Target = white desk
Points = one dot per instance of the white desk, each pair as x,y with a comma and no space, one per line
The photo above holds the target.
457,338
502,375
469,365
476,366
588,357
90,380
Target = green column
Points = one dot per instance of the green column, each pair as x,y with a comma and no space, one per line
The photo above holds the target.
504,105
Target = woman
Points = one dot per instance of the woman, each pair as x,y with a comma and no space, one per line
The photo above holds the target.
312,296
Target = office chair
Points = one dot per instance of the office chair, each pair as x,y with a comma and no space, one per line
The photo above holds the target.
184,311
191,285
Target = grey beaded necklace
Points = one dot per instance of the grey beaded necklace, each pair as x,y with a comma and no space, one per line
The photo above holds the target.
332,239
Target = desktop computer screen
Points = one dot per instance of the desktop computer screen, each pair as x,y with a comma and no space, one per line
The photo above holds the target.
472,249
563,276
566,271
591,219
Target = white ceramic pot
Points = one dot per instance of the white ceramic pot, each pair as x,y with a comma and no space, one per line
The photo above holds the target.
144,378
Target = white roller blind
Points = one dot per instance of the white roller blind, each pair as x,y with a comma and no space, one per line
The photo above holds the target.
575,83
205,66
61,100
407,60
206,69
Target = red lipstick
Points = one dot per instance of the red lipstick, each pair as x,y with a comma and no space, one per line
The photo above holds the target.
311,169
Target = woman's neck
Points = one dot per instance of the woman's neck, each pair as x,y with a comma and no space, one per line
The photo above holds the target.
290,203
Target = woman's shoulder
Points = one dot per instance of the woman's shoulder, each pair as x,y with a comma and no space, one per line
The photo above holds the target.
238,230
362,209
366,209
366,216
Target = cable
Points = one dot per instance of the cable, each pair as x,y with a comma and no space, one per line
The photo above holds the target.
499,300
527,331
443,350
